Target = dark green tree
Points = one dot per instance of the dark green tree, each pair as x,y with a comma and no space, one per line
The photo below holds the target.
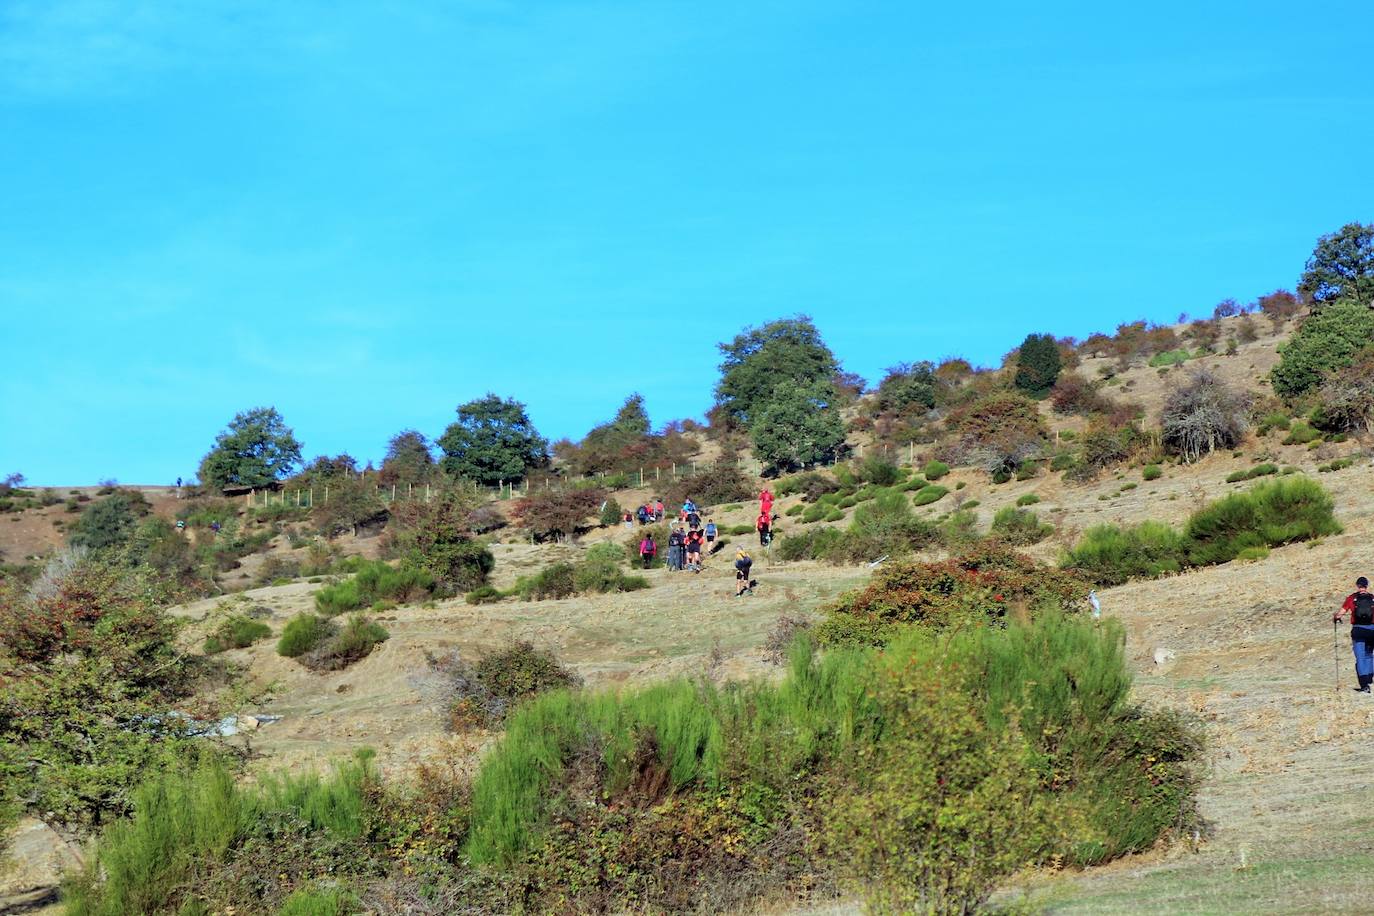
798,428
630,425
256,449
787,354
110,522
408,459
1037,365
1326,341
492,441
1341,267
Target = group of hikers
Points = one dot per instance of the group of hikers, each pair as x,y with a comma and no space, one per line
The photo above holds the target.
690,541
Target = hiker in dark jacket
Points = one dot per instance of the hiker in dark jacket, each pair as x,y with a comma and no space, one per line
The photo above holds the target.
1359,607
675,548
743,564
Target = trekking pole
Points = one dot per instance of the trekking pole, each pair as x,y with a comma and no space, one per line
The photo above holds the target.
1336,650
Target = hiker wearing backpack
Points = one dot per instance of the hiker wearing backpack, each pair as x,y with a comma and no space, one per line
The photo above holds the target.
648,550
763,525
1359,606
765,502
711,532
693,544
675,548
743,564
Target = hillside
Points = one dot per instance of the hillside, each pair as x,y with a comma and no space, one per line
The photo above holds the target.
1243,645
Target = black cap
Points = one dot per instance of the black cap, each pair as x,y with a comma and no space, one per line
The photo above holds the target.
1362,582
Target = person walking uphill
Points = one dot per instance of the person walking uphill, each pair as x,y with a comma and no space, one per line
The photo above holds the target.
743,564
1359,606
648,550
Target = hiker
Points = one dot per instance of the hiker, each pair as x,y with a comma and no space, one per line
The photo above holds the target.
629,522
765,502
642,514
688,507
658,509
693,520
694,540
711,532
675,548
763,525
648,550
743,563
1359,605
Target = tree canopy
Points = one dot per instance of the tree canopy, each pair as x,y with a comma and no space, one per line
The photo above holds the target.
256,449
493,440
798,428
408,459
1326,341
1341,267
782,355
1037,365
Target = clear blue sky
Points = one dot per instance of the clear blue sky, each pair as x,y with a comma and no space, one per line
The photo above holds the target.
366,218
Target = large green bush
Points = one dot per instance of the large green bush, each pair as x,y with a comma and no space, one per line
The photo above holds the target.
1019,526
302,633
1111,554
188,822
1276,512
903,762
375,581
1291,508
1327,340
237,632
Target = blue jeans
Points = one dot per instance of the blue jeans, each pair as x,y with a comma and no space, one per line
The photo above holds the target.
1362,641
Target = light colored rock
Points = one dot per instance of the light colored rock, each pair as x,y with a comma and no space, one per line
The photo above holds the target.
1163,656
33,867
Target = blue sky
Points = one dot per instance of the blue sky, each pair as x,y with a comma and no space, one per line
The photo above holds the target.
366,218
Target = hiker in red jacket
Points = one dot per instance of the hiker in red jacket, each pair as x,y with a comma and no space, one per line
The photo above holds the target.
764,525
766,502
1359,607
648,550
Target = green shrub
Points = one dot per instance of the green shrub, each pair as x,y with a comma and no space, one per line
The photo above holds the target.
188,822
556,581
375,581
1170,358
1259,470
611,513
1110,555
928,495
1020,526
813,513
879,471
483,594
1301,434
934,470
798,509
1270,514
1251,554
237,632
1151,472
354,642
1027,499
906,761
834,515
814,544
1272,421
303,633
605,552
1338,464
